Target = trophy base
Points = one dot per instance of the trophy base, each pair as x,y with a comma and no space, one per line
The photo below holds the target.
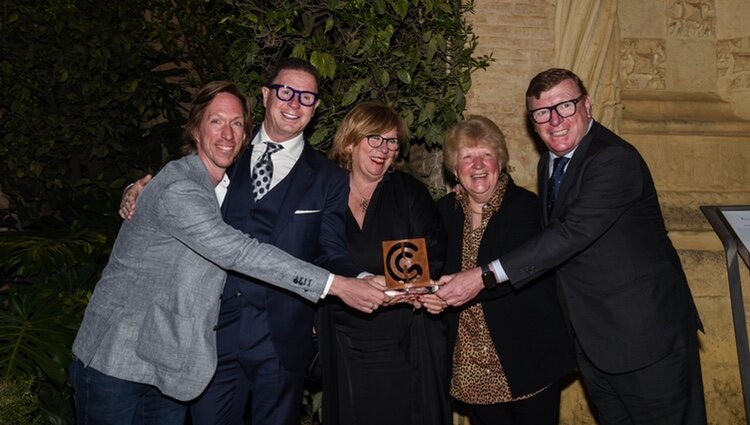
412,290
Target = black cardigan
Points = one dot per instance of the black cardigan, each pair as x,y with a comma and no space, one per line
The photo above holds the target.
527,326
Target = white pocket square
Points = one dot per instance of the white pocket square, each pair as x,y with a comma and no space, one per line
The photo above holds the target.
307,211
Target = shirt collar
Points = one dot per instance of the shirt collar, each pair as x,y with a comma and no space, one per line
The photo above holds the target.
292,147
221,189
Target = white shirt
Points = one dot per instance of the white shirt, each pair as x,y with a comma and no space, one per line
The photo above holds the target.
221,189
283,160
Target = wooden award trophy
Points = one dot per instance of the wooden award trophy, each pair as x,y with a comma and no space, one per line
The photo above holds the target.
407,270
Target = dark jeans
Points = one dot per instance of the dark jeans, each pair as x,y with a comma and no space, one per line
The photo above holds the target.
103,400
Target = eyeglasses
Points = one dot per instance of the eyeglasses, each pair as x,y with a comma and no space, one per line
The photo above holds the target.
563,109
286,93
375,141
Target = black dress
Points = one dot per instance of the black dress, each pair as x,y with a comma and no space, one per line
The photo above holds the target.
388,367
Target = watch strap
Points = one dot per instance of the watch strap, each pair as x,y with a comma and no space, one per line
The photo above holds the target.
488,277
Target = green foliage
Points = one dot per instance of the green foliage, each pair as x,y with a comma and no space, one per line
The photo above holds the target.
19,404
92,95
84,101
415,55
46,275
312,403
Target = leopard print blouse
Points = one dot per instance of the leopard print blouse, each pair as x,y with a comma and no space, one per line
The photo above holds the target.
478,376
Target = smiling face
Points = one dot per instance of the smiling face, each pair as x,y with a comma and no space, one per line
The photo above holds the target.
372,163
220,134
285,120
478,171
562,135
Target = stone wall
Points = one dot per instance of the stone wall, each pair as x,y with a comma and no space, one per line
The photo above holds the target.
684,92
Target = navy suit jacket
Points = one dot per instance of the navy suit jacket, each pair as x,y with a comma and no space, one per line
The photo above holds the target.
619,275
310,226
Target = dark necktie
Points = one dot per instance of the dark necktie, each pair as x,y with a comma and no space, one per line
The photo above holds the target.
263,171
558,171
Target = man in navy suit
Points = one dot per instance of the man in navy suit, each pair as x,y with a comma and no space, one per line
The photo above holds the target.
619,277
265,335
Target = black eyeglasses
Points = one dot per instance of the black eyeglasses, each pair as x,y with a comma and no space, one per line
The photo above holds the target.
286,93
375,141
564,109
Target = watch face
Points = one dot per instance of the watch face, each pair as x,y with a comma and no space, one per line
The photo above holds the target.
488,278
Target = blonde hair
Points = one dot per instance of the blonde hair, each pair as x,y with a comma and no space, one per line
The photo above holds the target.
475,130
364,119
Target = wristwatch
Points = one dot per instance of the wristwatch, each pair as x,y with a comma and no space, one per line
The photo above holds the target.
488,277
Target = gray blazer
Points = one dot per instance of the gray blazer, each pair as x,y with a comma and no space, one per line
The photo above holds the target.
152,315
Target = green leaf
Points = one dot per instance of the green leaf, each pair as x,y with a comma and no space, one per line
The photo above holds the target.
432,47
329,24
35,168
401,7
383,77
299,51
427,113
408,117
352,47
404,76
318,136
353,93
37,330
325,63
379,6
100,151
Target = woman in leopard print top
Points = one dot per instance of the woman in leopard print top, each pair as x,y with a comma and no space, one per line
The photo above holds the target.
509,349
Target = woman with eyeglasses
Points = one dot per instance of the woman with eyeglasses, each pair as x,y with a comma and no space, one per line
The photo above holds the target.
388,367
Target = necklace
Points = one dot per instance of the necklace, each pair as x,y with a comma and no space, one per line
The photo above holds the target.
365,200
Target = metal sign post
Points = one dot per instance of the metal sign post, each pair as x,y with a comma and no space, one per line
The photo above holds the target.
727,222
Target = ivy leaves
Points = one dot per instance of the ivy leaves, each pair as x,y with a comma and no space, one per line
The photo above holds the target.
415,55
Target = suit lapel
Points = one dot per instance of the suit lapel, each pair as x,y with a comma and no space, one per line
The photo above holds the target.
199,171
571,173
302,176
234,172
542,178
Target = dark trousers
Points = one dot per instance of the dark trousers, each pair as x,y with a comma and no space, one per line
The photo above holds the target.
250,385
105,400
542,409
667,392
